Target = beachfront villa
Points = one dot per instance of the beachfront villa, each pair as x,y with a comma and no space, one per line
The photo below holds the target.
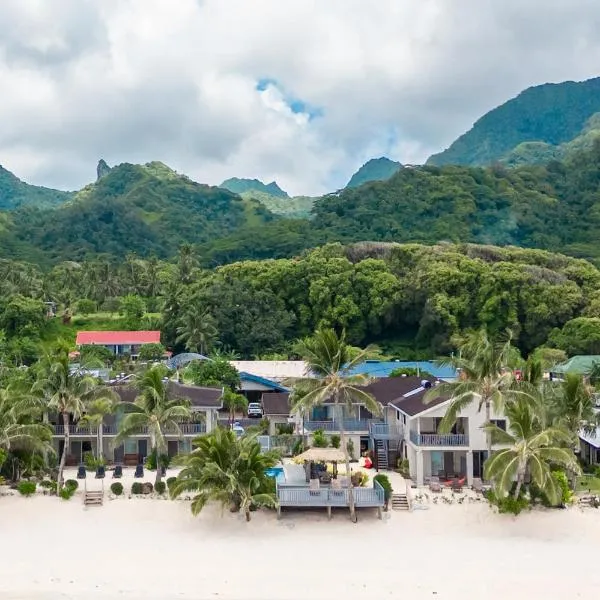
205,404
118,342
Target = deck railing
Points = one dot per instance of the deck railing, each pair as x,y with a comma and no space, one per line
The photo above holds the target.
303,496
75,430
385,431
334,425
436,439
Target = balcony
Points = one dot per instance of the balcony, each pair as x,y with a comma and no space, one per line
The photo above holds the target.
385,431
191,428
436,439
349,425
76,430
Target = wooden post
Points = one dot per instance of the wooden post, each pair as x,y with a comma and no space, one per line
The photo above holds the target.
379,513
278,512
329,511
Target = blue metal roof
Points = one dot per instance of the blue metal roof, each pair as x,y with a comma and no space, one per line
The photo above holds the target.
376,368
263,381
179,360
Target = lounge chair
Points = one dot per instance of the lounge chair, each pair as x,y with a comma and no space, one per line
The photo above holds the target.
81,472
163,471
457,484
100,472
139,471
118,472
434,484
477,485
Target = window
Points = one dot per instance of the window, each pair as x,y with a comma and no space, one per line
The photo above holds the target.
500,423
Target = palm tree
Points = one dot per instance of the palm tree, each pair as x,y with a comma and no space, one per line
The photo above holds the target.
234,402
18,427
483,378
228,470
197,330
94,417
328,357
531,448
67,392
571,405
186,262
154,409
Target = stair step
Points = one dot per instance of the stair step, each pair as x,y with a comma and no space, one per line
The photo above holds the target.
93,498
400,502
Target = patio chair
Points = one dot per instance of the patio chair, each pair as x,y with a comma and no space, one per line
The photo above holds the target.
100,472
139,471
118,472
81,472
442,475
477,485
336,484
324,477
434,484
457,484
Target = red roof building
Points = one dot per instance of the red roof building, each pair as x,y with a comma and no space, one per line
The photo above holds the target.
118,342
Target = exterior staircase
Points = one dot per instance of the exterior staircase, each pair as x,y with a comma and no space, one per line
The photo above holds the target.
400,502
93,498
382,455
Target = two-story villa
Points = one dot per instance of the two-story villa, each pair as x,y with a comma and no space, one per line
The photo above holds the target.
118,342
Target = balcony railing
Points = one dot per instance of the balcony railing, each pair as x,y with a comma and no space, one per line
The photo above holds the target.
435,439
385,431
297,495
192,428
75,430
348,424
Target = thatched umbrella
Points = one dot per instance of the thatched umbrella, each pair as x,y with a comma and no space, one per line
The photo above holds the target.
321,455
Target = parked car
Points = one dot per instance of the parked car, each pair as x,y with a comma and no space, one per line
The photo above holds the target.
255,410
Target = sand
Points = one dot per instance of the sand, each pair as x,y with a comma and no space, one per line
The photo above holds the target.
149,548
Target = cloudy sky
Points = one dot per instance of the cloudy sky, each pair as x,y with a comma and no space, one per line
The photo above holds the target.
301,91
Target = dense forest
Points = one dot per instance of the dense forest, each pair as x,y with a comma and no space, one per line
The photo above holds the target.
151,210
411,300
552,114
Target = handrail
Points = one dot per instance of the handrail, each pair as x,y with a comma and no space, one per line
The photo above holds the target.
437,439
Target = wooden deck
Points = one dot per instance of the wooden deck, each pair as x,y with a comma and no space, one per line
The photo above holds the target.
300,496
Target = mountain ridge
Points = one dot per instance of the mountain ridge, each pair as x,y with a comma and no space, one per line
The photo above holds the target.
241,185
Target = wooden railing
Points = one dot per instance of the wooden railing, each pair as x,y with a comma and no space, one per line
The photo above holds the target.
291,495
437,439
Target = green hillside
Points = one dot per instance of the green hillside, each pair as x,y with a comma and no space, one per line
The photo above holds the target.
146,209
240,186
15,193
551,114
376,169
298,207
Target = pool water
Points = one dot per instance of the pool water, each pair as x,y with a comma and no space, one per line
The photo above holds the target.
276,472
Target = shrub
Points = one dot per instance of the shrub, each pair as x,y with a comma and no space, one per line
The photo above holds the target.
136,488
508,504
562,481
335,440
160,487
350,448
384,482
359,479
597,471
72,484
66,493
319,440
49,485
404,468
85,306
284,428
298,447
92,463
171,481
150,464
116,488
26,488
147,488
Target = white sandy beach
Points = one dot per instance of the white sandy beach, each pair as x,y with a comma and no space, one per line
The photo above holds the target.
148,548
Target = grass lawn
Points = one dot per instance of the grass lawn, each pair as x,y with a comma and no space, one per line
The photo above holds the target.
588,482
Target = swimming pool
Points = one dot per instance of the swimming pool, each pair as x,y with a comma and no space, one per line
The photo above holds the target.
276,472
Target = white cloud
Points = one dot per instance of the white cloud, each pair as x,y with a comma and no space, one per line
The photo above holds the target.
140,80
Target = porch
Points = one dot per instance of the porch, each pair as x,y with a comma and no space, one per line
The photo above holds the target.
424,432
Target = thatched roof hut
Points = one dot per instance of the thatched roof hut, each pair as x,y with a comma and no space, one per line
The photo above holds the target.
333,455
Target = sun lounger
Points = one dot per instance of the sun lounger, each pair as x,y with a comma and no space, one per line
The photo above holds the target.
434,484
457,484
139,471
118,472
477,485
81,473
100,472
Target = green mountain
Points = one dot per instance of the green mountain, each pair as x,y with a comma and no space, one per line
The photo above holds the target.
298,207
146,209
240,186
15,193
376,169
547,116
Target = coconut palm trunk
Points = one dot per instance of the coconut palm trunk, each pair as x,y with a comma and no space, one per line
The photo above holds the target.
520,480
488,434
344,443
63,458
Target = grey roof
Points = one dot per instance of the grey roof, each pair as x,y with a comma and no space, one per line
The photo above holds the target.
276,403
199,397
